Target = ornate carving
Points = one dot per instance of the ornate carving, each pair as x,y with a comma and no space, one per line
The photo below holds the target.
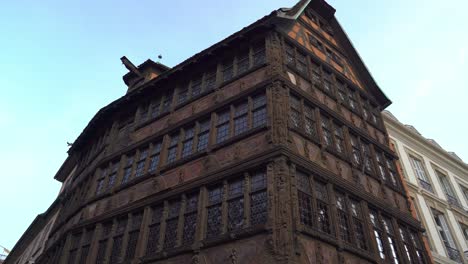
218,97
195,259
279,132
233,256
210,163
282,234
181,175
397,201
338,168
156,184
274,55
169,121
237,152
194,109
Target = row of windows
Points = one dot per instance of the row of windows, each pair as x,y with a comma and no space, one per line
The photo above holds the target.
174,223
315,211
425,182
238,118
328,52
332,85
246,59
231,195
324,25
304,117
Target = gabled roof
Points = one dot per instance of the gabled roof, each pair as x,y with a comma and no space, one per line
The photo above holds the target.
283,13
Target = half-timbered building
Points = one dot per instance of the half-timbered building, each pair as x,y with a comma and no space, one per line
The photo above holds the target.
267,147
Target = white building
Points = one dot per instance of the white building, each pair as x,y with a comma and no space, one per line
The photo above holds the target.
437,183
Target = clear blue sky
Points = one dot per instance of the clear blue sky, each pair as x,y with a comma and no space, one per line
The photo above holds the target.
60,64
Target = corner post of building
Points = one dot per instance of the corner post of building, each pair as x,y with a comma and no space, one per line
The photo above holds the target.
274,54
282,222
279,135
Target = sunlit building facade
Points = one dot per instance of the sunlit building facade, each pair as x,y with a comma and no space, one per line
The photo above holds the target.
267,147
437,182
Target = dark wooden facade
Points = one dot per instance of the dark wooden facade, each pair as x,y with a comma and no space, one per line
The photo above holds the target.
267,147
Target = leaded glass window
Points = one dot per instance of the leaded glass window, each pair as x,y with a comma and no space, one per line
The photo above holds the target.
102,244
295,106
128,169
113,174
328,82
323,212
196,87
343,220
258,198
381,165
304,196
86,245
418,248
388,227
259,56
172,221
144,113
392,171
183,94
154,158
213,227
240,118
339,139
378,234
358,226
187,144
310,125
140,167
289,50
259,113
172,150
341,91
190,219
356,150
154,229
327,134
243,62
203,135
101,251
301,64
222,126
235,204
133,235
406,243
118,240
316,73
353,104
210,80
99,185
366,153
228,71
167,101
155,108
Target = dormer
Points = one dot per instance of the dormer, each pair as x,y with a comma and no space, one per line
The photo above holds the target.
145,72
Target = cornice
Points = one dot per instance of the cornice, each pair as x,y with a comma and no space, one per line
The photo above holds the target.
397,130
